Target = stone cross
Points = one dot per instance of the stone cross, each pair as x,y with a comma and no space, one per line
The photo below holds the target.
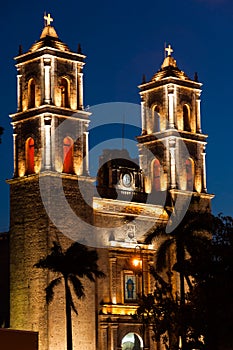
48,19
169,50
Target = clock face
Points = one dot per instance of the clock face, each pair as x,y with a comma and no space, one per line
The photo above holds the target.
126,179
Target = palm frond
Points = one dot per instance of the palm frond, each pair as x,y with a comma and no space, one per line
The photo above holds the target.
70,300
157,232
53,261
83,262
157,277
50,289
196,221
161,254
197,244
77,285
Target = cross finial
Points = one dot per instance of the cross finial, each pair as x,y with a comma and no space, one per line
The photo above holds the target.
48,19
169,50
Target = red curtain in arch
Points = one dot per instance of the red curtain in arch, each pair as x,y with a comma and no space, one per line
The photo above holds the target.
68,155
30,150
189,174
156,175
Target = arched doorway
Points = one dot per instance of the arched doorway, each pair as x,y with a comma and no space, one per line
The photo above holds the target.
132,341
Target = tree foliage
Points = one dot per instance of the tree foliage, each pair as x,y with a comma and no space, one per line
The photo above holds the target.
213,290
72,266
205,316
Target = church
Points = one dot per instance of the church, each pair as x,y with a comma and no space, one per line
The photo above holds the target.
53,197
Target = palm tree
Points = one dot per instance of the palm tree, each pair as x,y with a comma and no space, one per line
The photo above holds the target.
188,237
73,264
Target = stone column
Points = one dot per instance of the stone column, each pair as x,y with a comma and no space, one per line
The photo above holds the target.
19,92
143,116
171,106
204,169
104,336
198,113
172,149
86,133
15,155
47,143
113,284
113,330
80,90
47,80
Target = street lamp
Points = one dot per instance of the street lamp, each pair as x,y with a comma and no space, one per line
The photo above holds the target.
138,268
138,264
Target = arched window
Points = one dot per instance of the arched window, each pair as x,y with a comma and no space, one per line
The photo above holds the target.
132,341
64,93
186,118
156,118
31,93
156,175
30,147
189,174
68,146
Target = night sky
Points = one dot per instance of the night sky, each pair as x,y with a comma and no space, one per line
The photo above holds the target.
124,40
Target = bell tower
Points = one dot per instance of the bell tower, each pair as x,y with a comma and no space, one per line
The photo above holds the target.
49,90
49,95
172,145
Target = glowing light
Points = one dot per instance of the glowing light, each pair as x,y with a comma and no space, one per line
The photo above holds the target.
21,172
137,262
180,342
119,309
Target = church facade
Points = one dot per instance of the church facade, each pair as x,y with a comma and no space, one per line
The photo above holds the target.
53,197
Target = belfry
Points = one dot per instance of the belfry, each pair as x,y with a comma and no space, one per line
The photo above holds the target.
50,135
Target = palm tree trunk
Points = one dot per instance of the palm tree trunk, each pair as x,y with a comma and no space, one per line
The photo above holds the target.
68,317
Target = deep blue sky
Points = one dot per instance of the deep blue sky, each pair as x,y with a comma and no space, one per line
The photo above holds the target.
123,40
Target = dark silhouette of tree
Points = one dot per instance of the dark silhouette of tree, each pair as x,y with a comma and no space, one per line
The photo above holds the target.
211,297
73,265
190,236
162,311
205,317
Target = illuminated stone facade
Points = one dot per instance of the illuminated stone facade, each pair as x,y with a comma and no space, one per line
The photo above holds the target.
51,152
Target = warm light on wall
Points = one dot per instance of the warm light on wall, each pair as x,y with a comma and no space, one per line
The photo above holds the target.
58,165
163,182
182,180
37,168
137,262
119,309
78,166
21,171
198,183
147,185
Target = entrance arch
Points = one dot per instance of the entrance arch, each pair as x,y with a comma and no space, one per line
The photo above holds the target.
132,341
